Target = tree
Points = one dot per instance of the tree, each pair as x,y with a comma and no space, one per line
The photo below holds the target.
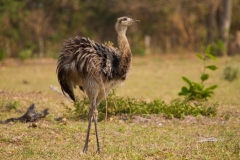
225,23
9,30
212,20
219,19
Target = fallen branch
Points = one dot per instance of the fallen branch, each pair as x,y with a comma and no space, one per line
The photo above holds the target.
30,116
55,89
209,139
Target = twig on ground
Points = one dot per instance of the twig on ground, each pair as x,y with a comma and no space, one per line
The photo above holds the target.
30,116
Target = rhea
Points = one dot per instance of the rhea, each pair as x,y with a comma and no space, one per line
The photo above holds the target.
95,68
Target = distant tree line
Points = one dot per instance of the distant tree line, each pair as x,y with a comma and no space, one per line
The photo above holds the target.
41,26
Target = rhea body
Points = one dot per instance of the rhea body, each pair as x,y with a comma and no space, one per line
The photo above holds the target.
95,68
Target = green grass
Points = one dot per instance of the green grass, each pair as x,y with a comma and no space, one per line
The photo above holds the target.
118,105
148,137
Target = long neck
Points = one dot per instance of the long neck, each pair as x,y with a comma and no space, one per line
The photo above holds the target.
123,42
124,47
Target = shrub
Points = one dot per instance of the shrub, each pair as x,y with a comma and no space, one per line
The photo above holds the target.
139,51
2,55
25,54
230,73
125,105
195,90
218,48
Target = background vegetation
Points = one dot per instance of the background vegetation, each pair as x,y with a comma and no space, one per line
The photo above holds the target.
41,26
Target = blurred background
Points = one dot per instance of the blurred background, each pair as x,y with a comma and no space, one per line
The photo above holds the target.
37,28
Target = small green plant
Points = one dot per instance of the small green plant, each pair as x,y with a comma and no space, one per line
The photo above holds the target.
6,105
230,73
195,90
11,105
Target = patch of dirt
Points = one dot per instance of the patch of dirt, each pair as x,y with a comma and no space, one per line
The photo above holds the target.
161,121
151,119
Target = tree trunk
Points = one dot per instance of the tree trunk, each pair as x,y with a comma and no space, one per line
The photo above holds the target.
225,23
41,47
211,22
8,49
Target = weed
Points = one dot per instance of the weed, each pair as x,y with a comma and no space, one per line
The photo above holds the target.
230,73
218,48
195,90
25,54
8,106
2,55
81,108
12,105
140,51
125,105
180,109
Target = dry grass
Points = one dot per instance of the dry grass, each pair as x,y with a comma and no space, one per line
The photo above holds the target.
140,138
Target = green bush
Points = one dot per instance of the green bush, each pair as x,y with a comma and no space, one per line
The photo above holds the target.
218,48
2,55
25,54
139,51
125,105
230,73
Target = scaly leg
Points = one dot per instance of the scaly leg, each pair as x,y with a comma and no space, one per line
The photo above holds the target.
85,149
95,116
92,90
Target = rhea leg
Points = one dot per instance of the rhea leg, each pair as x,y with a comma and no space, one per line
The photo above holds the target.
101,95
93,114
85,149
92,91
95,94
95,118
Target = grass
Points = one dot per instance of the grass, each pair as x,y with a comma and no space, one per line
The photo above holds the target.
131,106
148,137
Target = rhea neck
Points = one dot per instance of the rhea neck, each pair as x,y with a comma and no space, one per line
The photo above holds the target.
126,57
123,41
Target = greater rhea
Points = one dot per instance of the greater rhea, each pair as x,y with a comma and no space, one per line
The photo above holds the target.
95,68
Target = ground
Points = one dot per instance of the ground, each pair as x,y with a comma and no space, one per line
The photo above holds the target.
141,137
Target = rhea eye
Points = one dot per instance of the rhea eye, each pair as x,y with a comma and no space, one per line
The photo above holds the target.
125,19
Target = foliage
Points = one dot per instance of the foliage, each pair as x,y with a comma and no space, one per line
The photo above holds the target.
12,105
230,73
25,54
125,105
2,55
140,51
195,90
28,21
218,48
8,106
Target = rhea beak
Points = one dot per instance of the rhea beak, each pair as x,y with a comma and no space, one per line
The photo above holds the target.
134,20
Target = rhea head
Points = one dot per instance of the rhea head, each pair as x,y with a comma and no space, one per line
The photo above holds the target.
123,23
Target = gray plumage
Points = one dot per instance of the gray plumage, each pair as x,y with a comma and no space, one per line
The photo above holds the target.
96,68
